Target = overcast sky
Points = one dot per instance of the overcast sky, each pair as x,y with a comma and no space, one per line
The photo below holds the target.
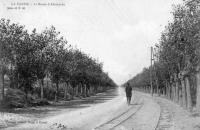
117,32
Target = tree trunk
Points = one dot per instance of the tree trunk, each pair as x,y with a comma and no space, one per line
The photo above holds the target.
88,90
73,92
165,91
18,85
157,91
168,90
81,88
184,98
56,95
41,88
177,91
47,83
85,90
180,94
2,85
11,77
174,92
65,93
198,91
76,91
189,100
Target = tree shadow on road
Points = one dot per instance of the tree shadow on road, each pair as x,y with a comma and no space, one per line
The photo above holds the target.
57,107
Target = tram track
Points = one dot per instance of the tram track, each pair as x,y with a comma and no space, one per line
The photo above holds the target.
118,120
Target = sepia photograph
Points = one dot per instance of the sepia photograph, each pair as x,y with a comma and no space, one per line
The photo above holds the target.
99,64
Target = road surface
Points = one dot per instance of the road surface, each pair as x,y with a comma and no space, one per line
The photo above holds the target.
144,113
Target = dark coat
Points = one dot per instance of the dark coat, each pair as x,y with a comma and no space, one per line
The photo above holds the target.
128,91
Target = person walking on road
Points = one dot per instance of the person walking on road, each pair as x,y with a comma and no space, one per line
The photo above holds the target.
128,93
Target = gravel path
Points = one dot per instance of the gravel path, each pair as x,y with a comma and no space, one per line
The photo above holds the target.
166,119
174,117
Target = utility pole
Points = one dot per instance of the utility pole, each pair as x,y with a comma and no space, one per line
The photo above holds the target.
151,71
155,59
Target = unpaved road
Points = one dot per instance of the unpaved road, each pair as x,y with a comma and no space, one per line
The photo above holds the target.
110,112
82,117
142,113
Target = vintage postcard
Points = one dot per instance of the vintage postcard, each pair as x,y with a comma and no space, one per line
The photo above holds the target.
99,65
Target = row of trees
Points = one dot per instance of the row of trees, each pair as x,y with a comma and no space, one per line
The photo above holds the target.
45,60
176,68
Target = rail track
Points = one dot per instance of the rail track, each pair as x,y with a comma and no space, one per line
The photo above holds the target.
118,120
